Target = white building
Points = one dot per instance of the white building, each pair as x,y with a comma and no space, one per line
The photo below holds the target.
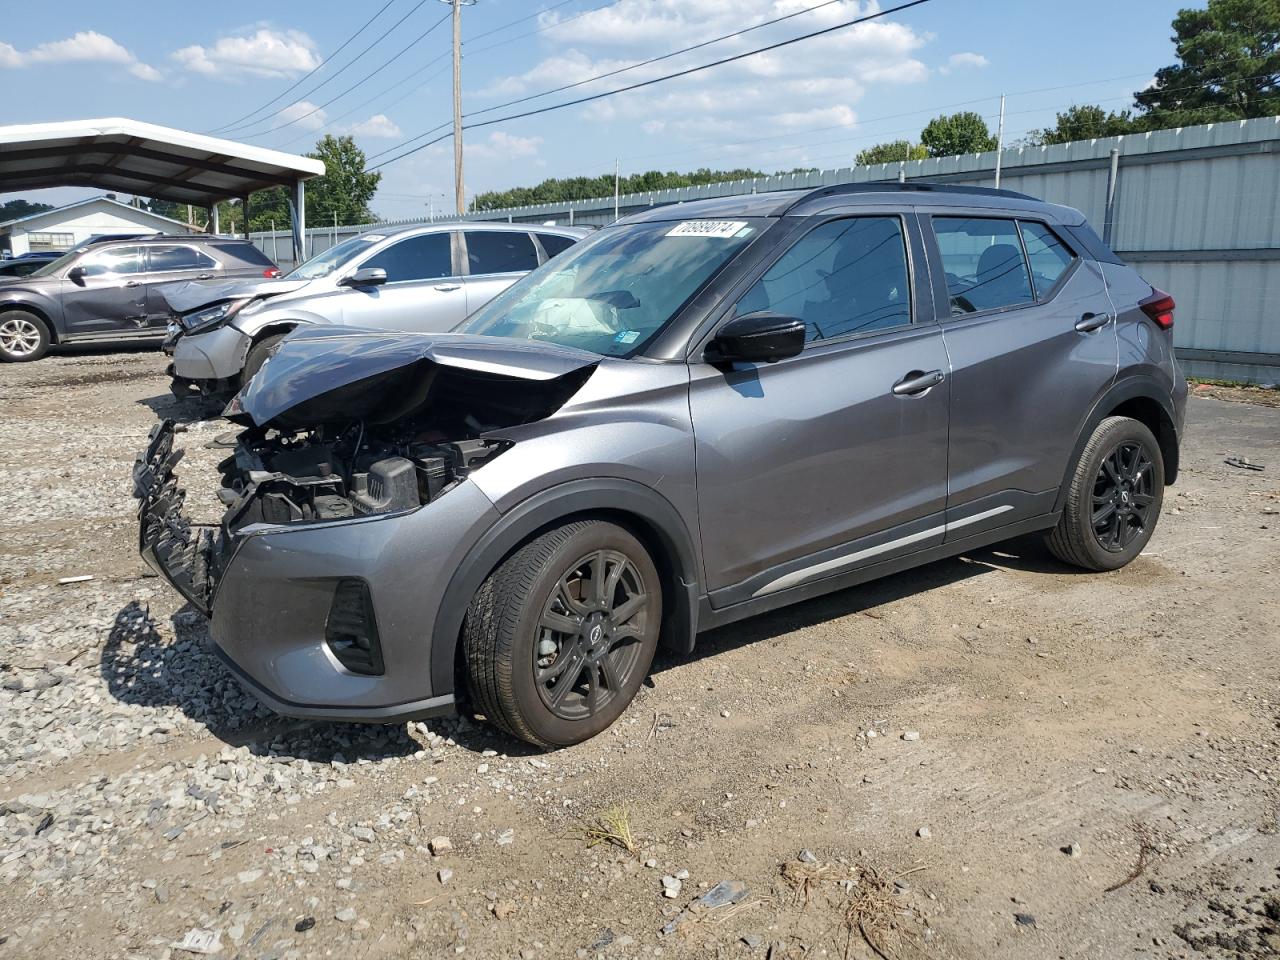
65,227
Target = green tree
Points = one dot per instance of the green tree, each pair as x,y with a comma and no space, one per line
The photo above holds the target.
559,190
895,151
17,209
346,188
1228,69
956,133
1085,122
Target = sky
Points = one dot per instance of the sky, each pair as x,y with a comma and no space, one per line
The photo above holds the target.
217,67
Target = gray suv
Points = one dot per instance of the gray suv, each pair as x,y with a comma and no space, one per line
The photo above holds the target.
422,278
701,413
110,290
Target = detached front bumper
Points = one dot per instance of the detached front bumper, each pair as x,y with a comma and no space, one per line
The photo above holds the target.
270,592
184,553
216,355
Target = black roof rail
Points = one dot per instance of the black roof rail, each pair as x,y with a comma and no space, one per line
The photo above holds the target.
893,186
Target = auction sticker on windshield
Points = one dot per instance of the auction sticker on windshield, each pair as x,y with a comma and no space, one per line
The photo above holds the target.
707,228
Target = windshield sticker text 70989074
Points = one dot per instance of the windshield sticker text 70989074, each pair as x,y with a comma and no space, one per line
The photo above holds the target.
707,228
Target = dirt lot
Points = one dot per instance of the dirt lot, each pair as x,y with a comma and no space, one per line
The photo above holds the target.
1095,772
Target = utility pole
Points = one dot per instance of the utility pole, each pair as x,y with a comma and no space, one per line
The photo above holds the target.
617,183
458,189
999,141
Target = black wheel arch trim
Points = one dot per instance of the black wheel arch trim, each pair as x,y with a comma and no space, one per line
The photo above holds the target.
657,519
1136,387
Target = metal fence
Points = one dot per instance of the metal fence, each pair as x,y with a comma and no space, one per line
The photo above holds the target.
1196,210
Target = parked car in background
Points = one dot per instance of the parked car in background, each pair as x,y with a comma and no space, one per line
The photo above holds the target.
110,291
703,412
26,264
424,278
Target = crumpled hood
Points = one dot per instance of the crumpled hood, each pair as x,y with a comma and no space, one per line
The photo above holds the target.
189,295
331,374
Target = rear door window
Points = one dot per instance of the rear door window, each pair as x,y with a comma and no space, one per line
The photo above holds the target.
424,257
1048,255
843,278
500,251
178,258
983,262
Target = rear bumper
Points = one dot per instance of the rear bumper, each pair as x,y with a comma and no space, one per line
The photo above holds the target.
269,591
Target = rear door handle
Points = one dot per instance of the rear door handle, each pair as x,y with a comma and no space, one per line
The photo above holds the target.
1092,321
915,383
133,283
448,287
204,276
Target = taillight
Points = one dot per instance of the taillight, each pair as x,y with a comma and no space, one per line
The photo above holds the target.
1159,307
271,272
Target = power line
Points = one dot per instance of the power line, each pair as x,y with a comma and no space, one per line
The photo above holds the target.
534,33
363,80
665,56
337,73
671,76
309,73
507,26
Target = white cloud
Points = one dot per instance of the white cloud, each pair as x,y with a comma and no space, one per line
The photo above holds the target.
379,125
504,146
962,60
816,83
87,46
264,53
304,115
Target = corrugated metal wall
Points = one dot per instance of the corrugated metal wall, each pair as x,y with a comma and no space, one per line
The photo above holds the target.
1196,210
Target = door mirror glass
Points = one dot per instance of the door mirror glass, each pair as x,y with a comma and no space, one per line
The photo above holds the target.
76,274
760,337
366,277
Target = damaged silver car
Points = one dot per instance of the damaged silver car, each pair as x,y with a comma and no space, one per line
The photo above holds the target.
701,413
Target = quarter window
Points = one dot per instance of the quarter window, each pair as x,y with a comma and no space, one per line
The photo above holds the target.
1048,255
983,262
424,257
842,278
119,260
505,251
179,258
553,243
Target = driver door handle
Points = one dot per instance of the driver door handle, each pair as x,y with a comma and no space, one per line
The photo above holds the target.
204,276
448,287
916,383
1092,321
133,283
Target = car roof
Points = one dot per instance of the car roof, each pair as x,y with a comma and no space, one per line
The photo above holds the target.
780,203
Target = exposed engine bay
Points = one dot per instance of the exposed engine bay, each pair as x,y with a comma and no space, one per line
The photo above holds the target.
339,474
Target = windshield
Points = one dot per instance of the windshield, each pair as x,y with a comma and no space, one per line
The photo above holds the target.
323,264
612,293
55,265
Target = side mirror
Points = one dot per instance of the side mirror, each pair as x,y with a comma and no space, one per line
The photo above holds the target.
77,274
365,277
761,337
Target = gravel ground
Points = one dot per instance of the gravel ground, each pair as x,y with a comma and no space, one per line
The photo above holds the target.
993,756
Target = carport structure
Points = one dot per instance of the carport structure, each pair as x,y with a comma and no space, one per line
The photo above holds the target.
152,161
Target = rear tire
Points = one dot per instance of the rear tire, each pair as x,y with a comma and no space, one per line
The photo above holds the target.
258,354
560,636
23,337
1114,498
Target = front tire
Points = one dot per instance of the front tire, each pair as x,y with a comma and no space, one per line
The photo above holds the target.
559,637
1114,498
259,354
23,337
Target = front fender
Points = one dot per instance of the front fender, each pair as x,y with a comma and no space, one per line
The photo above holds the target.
46,308
654,518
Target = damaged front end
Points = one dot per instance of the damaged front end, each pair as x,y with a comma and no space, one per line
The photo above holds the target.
342,425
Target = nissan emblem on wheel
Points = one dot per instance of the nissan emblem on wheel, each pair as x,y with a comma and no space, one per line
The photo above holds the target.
698,414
